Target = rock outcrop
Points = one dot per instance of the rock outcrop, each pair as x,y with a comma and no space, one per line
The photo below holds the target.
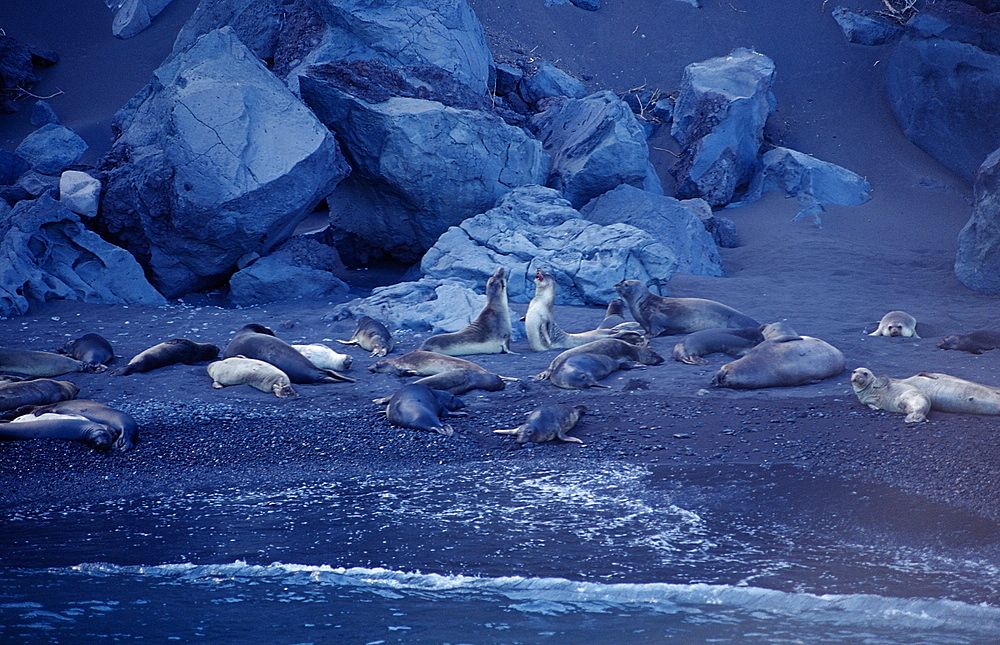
428,304
299,268
977,263
133,16
255,22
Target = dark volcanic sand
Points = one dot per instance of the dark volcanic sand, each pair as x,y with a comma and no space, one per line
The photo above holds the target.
834,282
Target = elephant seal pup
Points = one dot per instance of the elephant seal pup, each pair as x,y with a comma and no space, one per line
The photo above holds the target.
371,335
323,357
125,427
257,341
489,333
547,423
420,407
92,349
58,426
784,361
585,365
463,380
897,323
975,342
889,394
666,316
40,364
35,392
734,342
952,394
170,352
239,370
421,363
615,314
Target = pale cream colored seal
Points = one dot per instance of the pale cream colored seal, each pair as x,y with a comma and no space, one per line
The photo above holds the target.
897,323
891,395
239,370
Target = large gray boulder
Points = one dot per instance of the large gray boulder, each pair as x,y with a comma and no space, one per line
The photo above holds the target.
214,159
441,33
299,268
46,253
676,225
534,226
51,149
427,304
596,144
255,22
943,83
549,81
867,27
977,263
419,166
719,115
133,16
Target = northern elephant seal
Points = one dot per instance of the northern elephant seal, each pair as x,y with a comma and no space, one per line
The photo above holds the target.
733,342
169,352
952,394
420,407
239,370
897,323
91,349
40,364
421,363
547,423
125,426
889,394
35,392
584,366
975,342
58,426
784,361
659,315
489,333
323,357
257,341
460,381
614,315
371,335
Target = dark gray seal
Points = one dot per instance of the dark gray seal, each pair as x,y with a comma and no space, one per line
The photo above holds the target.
584,366
489,333
93,350
732,342
169,352
614,315
975,342
420,407
58,426
666,316
257,341
547,423
125,426
40,364
371,335
35,392
421,363
784,361
463,380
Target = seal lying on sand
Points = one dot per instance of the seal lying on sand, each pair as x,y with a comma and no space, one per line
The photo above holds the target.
547,423
170,352
41,364
891,395
421,363
489,333
91,349
975,342
239,370
585,365
784,361
420,407
952,394
323,357
124,426
371,335
58,426
897,323
461,381
659,315
734,342
257,341
35,392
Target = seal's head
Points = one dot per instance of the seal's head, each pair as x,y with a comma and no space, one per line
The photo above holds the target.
948,342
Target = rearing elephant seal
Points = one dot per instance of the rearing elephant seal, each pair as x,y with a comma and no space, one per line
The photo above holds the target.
489,333
784,361
547,423
891,395
897,323
91,349
975,342
239,370
585,365
170,352
952,394
419,407
733,342
668,316
35,392
257,341
41,364
371,335
122,423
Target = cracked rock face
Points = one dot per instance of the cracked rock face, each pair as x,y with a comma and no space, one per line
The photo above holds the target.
214,159
977,263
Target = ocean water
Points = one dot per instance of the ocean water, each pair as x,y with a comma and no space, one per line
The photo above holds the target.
508,552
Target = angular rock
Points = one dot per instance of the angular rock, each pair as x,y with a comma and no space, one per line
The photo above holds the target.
51,149
79,192
678,227
299,268
596,144
46,253
548,82
133,16
43,114
977,263
867,28
436,305
214,159
36,184
719,115
533,226
255,22
11,167
420,166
